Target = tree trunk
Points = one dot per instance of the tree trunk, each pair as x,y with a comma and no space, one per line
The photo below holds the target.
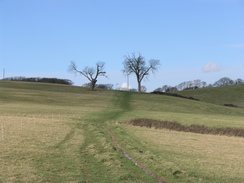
93,82
139,86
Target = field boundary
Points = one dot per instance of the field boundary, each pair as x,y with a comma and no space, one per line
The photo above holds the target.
175,126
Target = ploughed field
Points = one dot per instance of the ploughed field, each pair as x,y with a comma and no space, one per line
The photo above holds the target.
58,133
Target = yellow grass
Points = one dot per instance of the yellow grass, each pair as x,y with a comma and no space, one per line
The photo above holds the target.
50,133
214,158
25,139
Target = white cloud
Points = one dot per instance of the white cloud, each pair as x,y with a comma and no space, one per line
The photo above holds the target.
210,67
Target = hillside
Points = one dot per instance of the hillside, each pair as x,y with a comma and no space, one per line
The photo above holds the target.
218,95
60,133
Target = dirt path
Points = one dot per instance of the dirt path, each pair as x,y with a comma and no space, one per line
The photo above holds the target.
145,169
124,105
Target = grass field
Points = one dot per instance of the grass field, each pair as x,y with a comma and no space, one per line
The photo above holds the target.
218,95
54,133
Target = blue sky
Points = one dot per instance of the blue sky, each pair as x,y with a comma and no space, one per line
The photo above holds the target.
193,39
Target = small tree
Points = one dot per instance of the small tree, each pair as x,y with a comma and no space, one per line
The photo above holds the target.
225,81
158,90
90,73
137,65
143,89
165,88
239,81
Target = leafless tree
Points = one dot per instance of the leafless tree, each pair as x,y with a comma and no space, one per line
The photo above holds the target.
225,81
166,88
143,89
137,65
90,73
239,81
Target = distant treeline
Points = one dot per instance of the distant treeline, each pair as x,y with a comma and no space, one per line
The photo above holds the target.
40,80
195,84
102,86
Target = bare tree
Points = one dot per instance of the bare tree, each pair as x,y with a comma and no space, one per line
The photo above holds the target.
225,81
158,90
239,81
165,88
90,73
137,65
143,89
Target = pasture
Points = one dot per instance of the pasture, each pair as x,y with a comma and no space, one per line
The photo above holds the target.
55,133
219,95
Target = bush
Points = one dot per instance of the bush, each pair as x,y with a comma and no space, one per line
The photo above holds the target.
173,95
230,105
102,86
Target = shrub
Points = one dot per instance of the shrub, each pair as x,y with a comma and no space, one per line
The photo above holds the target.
172,125
230,105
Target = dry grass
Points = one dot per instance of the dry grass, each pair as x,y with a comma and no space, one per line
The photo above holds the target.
50,133
25,139
190,157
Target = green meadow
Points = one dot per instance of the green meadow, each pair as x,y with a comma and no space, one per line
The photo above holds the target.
219,95
59,133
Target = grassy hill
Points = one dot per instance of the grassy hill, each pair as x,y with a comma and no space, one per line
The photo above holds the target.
59,133
218,95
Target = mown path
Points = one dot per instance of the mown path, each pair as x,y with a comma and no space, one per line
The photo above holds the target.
103,159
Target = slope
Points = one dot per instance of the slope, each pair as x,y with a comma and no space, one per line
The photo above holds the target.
218,95
54,133
50,133
185,111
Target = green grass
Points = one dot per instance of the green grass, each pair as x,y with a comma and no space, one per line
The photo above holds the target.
50,133
181,110
218,95
196,157
54,133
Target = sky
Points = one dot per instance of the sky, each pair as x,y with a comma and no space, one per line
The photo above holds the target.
193,39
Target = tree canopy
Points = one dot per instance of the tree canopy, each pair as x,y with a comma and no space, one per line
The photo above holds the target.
137,65
90,73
